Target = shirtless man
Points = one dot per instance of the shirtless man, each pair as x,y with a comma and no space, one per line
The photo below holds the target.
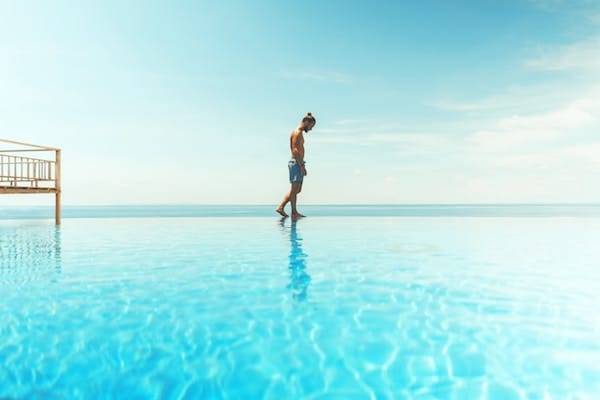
296,166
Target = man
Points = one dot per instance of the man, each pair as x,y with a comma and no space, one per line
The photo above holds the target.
296,166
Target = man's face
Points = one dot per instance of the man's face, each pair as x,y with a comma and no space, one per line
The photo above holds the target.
309,126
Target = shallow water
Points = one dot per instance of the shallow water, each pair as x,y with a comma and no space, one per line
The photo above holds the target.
328,307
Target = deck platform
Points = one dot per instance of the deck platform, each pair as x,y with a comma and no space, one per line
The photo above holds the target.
22,173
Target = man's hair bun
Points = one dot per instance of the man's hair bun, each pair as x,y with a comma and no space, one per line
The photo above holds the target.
309,117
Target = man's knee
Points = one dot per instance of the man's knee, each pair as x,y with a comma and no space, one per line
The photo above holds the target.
296,188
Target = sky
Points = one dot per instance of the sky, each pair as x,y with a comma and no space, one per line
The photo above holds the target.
192,102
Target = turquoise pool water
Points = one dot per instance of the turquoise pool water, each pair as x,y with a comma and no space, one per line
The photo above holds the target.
330,307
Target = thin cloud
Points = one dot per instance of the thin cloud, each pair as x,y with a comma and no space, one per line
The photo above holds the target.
555,5
500,141
582,56
336,139
418,139
570,116
520,131
369,133
516,98
371,127
345,122
559,145
526,103
583,157
414,139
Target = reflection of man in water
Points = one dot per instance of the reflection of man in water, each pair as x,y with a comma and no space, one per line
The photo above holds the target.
299,279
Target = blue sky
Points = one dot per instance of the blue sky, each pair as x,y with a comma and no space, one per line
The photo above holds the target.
157,102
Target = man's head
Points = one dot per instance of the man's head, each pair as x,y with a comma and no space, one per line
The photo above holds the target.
308,122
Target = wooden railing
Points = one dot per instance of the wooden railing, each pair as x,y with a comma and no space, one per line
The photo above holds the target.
20,172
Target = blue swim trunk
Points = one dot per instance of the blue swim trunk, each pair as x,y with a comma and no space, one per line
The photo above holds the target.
295,172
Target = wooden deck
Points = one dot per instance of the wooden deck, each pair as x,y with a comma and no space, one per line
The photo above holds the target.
22,173
24,189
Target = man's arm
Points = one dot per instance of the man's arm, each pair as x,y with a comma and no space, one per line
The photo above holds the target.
297,148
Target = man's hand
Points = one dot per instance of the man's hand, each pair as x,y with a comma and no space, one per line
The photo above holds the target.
304,171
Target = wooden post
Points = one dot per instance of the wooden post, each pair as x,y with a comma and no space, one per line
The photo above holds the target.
58,188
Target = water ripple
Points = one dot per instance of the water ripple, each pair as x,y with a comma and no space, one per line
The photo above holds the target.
324,308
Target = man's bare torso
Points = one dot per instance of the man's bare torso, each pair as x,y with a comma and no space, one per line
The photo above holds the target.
297,145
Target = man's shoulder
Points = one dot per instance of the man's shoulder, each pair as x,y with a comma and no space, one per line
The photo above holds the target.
296,132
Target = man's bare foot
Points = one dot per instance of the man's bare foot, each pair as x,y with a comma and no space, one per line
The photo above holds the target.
281,212
297,216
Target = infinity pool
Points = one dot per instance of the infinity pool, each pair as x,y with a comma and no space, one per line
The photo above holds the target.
323,308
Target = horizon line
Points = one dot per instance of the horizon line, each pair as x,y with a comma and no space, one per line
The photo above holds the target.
313,204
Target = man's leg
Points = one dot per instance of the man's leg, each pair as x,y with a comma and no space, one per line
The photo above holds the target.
281,208
296,188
